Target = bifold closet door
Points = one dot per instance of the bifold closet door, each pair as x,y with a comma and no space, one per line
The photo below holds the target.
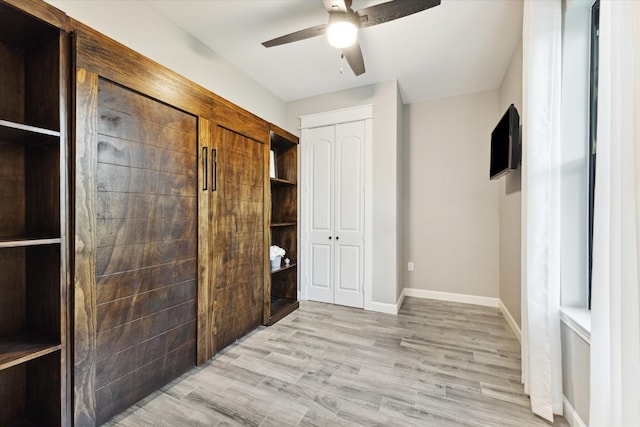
320,169
136,246
237,240
349,214
336,221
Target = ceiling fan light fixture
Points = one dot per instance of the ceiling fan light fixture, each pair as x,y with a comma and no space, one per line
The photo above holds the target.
342,31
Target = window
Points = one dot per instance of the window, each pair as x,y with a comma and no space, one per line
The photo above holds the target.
579,90
593,124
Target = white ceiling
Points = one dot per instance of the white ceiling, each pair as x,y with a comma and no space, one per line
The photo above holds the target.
461,46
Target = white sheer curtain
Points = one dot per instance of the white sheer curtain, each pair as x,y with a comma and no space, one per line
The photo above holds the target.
615,302
542,66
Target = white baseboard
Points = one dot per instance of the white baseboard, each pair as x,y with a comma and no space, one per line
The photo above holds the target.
400,301
571,415
382,307
445,296
507,315
448,296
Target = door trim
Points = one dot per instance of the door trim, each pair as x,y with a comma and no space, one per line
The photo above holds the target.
335,117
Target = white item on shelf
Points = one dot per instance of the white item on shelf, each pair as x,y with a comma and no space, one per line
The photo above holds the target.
276,262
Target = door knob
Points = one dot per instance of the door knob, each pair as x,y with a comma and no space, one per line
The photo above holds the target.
329,237
337,238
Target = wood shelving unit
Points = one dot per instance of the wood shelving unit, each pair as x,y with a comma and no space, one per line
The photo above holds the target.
283,284
33,284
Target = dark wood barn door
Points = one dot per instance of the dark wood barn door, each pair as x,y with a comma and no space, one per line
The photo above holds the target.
144,154
146,246
237,235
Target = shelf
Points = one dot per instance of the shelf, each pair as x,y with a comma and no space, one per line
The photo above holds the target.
278,270
20,350
21,241
280,307
283,224
20,133
280,143
278,181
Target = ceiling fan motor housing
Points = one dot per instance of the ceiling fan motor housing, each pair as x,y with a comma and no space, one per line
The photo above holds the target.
342,30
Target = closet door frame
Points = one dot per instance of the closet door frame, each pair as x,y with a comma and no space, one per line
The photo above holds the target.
360,113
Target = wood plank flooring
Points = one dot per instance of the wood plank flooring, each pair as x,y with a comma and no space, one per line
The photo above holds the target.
435,364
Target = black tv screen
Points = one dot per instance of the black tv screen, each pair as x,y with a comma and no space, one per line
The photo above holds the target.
505,144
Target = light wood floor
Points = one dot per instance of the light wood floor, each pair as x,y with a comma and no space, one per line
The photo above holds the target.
435,364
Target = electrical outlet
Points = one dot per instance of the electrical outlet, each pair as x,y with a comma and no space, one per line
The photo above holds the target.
410,266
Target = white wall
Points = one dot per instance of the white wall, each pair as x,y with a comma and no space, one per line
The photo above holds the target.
510,200
451,207
400,197
384,98
575,371
141,27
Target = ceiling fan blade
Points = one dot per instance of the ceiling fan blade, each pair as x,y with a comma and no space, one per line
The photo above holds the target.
353,55
391,10
307,33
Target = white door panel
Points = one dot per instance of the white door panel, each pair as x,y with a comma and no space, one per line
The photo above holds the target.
321,170
335,166
348,283
349,222
349,162
320,231
320,288
347,266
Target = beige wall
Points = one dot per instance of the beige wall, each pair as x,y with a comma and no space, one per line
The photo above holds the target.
138,25
451,207
384,98
510,200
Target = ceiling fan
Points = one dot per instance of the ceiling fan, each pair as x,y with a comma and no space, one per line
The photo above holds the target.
344,22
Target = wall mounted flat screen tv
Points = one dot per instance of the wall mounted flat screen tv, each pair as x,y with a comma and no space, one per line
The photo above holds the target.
505,144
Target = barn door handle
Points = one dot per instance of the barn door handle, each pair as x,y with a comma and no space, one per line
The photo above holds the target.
215,169
205,157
